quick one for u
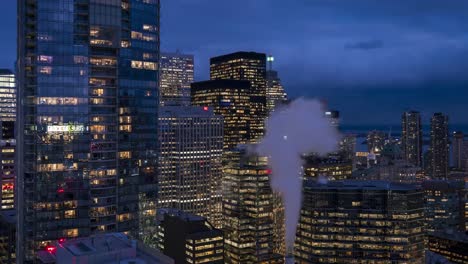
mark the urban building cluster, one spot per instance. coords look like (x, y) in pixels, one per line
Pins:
(111, 152)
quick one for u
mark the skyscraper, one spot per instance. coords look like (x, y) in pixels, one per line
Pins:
(459, 151)
(249, 66)
(87, 126)
(411, 137)
(230, 99)
(190, 165)
(275, 93)
(368, 221)
(248, 203)
(176, 75)
(7, 139)
(439, 147)
(444, 205)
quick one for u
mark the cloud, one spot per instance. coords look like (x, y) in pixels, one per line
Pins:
(317, 43)
(365, 45)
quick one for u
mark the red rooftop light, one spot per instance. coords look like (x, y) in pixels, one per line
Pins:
(60, 190)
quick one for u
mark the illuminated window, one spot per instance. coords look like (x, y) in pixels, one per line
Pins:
(98, 92)
(125, 128)
(45, 70)
(125, 44)
(103, 61)
(144, 65)
(44, 58)
(97, 101)
(125, 155)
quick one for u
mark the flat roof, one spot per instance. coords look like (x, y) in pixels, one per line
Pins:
(359, 184)
(100, 243)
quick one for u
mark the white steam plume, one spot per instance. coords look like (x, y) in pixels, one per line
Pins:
(298, 128)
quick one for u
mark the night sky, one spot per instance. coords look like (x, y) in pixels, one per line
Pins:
(369, 59)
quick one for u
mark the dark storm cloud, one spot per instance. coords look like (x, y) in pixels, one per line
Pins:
(365, 45)
(418, 41)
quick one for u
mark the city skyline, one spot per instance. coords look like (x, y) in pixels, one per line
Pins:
(237, 132)
(382, 42)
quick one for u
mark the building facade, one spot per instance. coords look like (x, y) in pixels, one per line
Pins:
(7, 95)
(444, 205)
(176, 75)
(7, 237)
(360, 222)
(7, 138)
(275, 93)
(330, 168)
(229, 99)
(88, 80)
(188, 238)
(248, 204)
(460, 151)
(375, 142)
(439, 147)
(452, 246)
(412, 138)
(190, 165)
(248, 66)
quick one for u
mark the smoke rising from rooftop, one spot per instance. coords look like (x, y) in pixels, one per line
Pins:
(298, 128)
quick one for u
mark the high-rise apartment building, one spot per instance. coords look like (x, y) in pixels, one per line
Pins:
(360, 222)
(88, 82)
(190, 165)
(275, 94)
(459, 151)
(248, 66)
(412, 138)
(230, 99)
(248, 203)
(175, 76)
(439, 147)
(189, 238)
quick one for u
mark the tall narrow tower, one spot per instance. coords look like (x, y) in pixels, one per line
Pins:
(275, 93)
(87, 121)
(439, 147)
(411, 137)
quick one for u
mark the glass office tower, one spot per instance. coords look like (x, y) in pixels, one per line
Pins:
(360, 222)
(176, 74)
(88, 85)
(247, 66)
